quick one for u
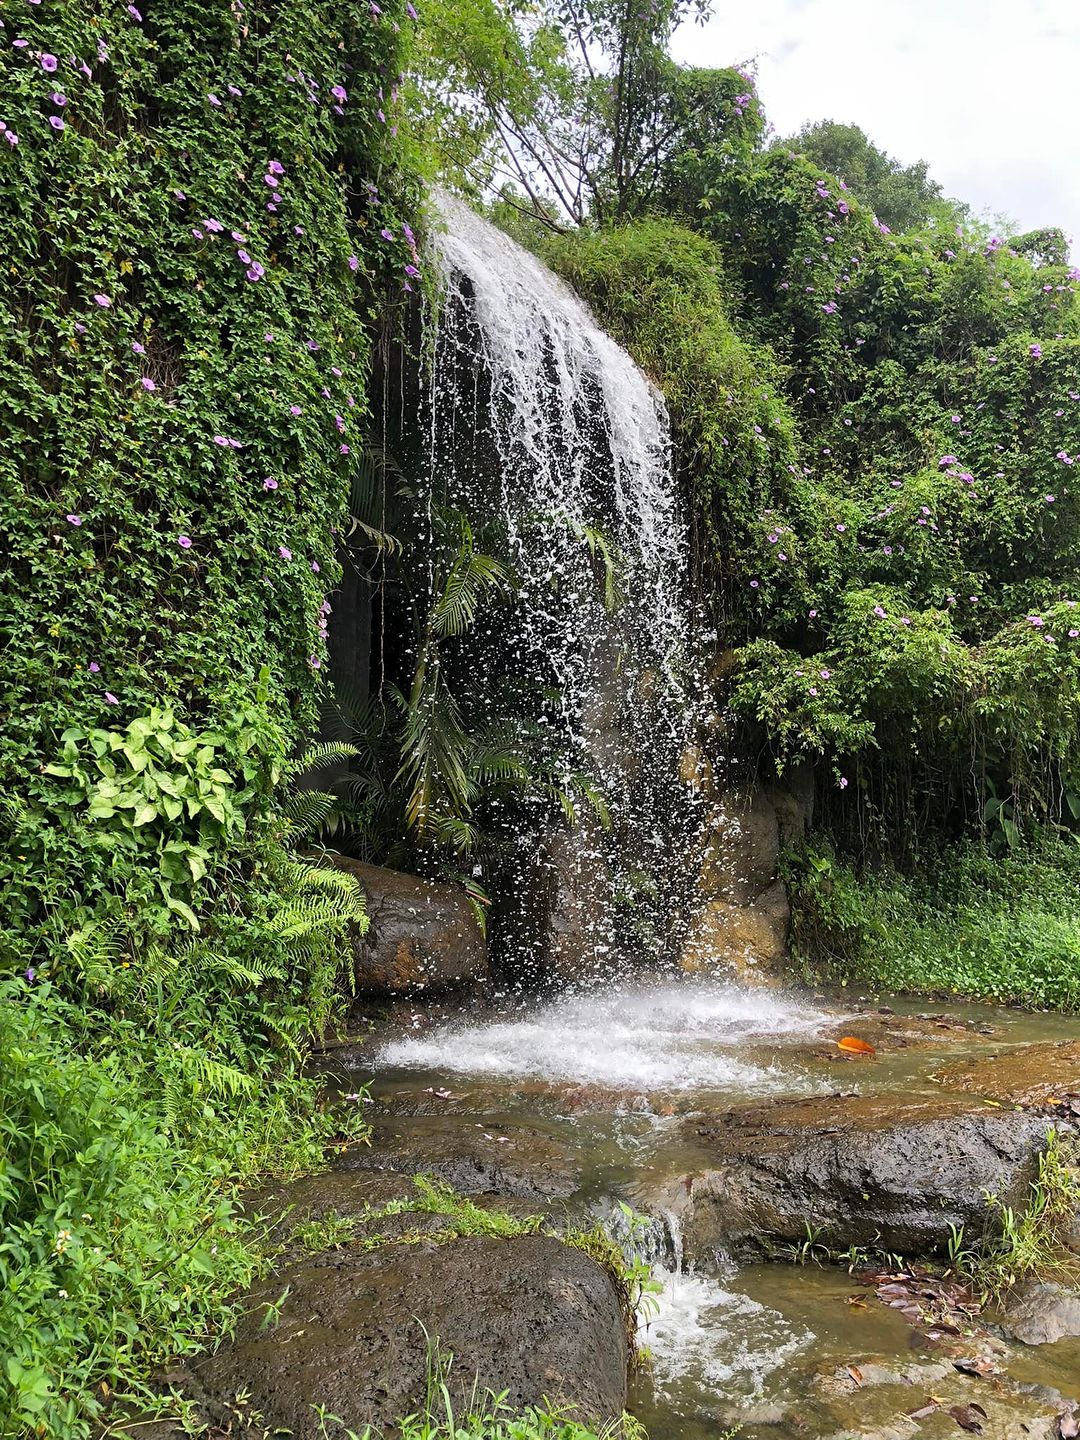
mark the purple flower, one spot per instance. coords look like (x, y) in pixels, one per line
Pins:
(276, 168)
(295, 410)
(103, 301)
(284, 552)
(315, 567)
(11, 137)
(830, 308)
(269, 337)
(410, 10)
(314, 662)
(73, 519)
(270, 483)
(213, 99)
(879, 611)
(1035, 350)
(243, 257)
(184, 541)
(31, 974)
(137, 348)
(147, 383)
(93, 667)
(826, 674)
(197, 233)
(1036, 621)
(338, 93)
(905, 620)
(134, 14)
(812, 614)
(214, 226)
(948, 460)
(1050, 499)
(343, 449)
(236, 91)
(955, 419)
(813, 690)
(56, 122)
(222, 440)
(386, 234)
(841, 528)
(354, 263)
(1073, 634)
(413, 271)
(313, 345)
(110, 698)
(58, 98)
(842, 782)
(754, 584)
(255, 271)
(49, 64)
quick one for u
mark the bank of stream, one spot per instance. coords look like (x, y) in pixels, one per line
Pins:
(572, 1105)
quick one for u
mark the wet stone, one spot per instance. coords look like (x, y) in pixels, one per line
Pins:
(526, 1315)
(883, 1172)
(1043, 1314)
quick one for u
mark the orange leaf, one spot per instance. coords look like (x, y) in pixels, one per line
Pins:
(853, 1046)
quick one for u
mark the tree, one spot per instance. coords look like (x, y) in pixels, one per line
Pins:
(903, 196)
(572, 107)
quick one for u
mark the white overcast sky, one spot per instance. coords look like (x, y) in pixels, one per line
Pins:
(987, 91)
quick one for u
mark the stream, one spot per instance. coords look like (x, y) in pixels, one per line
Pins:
(573, 1104)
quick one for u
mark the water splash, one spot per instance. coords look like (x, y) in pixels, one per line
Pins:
(673, 1036)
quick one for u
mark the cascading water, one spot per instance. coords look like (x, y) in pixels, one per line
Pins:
(540, 429)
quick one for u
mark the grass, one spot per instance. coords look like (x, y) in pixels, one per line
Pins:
(1003, 928)
(1026, 1244)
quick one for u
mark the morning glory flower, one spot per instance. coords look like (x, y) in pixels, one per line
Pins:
(137, 348)
(75, 520)
(276, 168)
(103, 301)
(255, 271)
(134, 14)
(284, 552)
(184, 541)
(338, 93)
(56, 122)
(213, 99)
(49, 64)
(1035, 350)
(58, 98)
(147, 383)
(270, 483)
(110, 698)
(354, 263)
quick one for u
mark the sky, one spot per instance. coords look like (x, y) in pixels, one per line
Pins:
(987, 91)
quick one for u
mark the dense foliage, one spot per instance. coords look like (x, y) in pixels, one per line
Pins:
(198, 222)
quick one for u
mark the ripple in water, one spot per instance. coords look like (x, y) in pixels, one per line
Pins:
(668, 1037)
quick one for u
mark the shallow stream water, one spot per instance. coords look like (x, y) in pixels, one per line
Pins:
(592, 1091)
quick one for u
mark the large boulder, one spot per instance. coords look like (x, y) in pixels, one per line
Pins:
(422, 936)
(528, 1316)
(889, 1172)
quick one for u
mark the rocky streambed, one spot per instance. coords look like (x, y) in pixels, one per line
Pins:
(760, 1150)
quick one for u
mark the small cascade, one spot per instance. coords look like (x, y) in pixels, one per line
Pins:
(542, 431)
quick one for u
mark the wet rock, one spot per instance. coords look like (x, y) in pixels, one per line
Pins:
(748, 942)
(516, 1162)
(1043, 1314)
(885, 1172)
(742, 848)
(1029, 1075)
(422, 936)
(529, 1316)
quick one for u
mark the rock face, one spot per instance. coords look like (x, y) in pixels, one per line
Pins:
(527, 1315)
(879, 1171)
(742, 923)
(423, 936)
(1043, 1314)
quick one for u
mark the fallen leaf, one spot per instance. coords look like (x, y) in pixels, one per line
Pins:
(855, 1373)
(977, 1365)
(923, 1411)
(969, 1417)
(851, 1045)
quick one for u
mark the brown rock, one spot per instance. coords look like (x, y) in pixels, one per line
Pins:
(1030, 1075)
(741, 850)
(422, 936)
(747, 942)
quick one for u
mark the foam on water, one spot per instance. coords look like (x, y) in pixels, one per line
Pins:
(662, 1037)
(706, 1340)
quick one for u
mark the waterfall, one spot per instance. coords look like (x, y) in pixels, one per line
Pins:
(543, 431)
